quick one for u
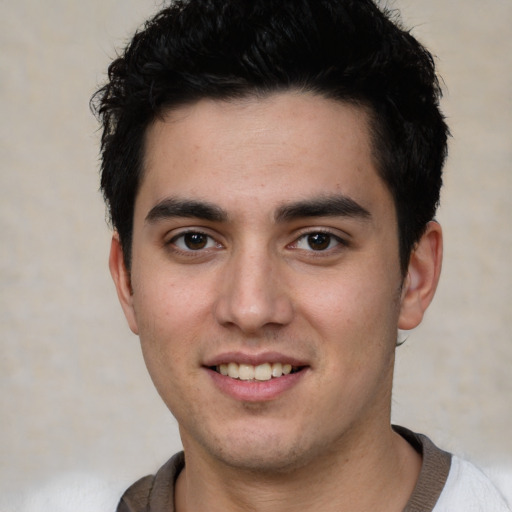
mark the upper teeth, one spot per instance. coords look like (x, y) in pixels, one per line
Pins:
(263, 371)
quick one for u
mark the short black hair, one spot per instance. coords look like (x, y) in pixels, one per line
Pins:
(347, 50)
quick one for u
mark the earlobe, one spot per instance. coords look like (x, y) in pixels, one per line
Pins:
(122, 281)
(422, 277)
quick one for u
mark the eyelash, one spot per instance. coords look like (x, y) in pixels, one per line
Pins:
(190, 252)
(340, 242)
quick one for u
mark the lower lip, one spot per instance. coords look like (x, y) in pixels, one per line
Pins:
(254, 390)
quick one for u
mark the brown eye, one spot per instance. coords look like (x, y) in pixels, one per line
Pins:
(319, 241)
(193, 241)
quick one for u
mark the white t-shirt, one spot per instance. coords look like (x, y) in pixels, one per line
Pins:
(467, 489)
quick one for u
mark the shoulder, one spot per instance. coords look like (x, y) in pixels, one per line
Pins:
(448, 483)
(154, 492)
(468, 489)
(136, 497)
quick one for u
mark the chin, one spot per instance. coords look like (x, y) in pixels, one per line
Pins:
(265, 461)
(262, 451)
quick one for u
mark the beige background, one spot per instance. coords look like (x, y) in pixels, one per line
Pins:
(75, 394)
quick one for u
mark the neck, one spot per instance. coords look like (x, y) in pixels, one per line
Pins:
(357, 479)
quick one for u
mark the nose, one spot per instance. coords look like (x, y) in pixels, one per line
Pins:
(253, 294)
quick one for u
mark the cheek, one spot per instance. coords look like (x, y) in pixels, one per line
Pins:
(170, 315)
(355, 319)
(168, 333)
(166, 300)
(349, 300)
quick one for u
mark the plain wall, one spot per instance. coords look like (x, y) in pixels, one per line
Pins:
(75, 394)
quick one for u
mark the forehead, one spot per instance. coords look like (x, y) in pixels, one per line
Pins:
(286, 145)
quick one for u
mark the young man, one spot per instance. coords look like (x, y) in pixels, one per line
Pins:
(272, 171)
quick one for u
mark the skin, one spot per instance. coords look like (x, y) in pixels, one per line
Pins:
(259, 284)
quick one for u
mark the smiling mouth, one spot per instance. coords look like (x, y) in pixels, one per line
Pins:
(261, 372)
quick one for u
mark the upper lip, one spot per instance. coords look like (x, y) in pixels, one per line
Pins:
(253, 359)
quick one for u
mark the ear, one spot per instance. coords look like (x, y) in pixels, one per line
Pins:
(122, 279)
(422, 277)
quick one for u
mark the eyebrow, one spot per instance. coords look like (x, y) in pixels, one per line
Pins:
(172, 207)
(329, 206)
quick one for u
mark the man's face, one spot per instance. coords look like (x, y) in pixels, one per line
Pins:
(264, 240)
